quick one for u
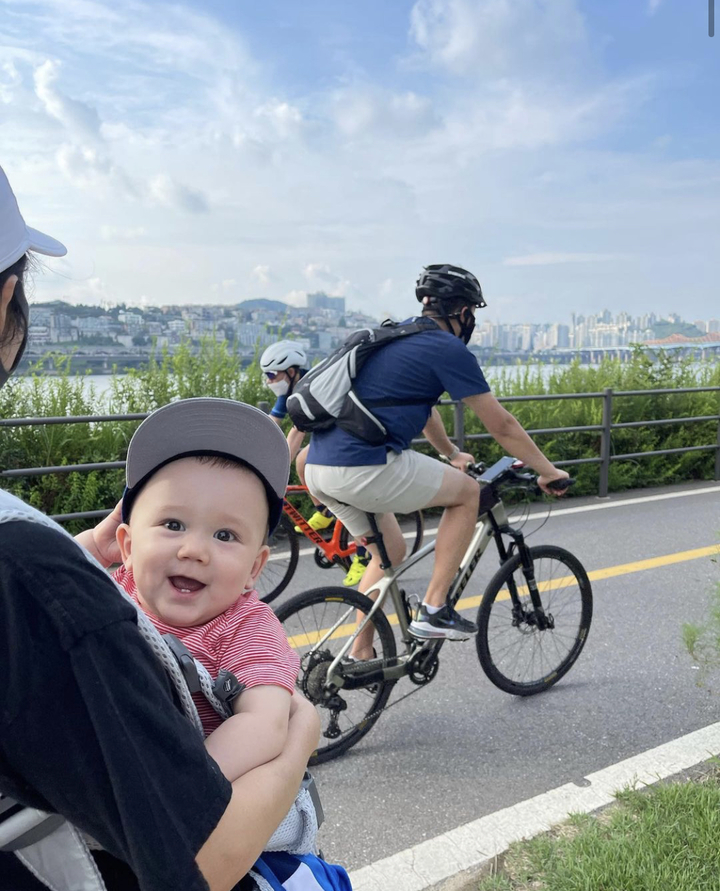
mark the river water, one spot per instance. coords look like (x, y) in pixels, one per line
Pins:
(102, 382)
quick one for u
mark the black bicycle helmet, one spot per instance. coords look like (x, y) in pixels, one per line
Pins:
(441, 281)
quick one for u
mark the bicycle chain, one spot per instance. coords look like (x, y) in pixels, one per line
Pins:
(385, 708)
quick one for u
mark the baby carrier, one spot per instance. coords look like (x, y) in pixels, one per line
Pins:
(58, 854)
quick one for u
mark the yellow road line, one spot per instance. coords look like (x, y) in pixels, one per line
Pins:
(654, 562)
(301, 640)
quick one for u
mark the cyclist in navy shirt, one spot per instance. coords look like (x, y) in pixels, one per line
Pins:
(353, 477)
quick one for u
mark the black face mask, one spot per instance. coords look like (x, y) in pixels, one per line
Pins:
(467, 325)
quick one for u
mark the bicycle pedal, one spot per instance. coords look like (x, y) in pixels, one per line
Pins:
(413, 603)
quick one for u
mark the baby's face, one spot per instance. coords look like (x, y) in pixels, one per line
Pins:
(195, 540)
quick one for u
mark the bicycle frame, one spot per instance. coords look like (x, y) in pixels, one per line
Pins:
(489, 527)
(331, 548)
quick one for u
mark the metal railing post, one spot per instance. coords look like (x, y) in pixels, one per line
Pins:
(459, 409)
(604, 483)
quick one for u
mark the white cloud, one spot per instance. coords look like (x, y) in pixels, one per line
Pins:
(90, 168)
(164, 190)
(261, 274)
(92, 290)
(653, 6)
(79, 119)
(499, 38)
(296, 298)
(9, 81)
(490, 147)
(365, 110)
(122, 233)
(320, 271)
(284, 119)
(551, 259)
(224, 289)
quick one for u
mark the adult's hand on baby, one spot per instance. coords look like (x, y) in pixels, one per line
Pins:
(101, 541)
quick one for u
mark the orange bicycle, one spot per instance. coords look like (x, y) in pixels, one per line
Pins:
(334, 546)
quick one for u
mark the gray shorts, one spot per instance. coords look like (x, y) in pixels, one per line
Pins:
(407, 482)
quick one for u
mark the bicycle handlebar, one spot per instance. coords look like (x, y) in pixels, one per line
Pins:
(506, 472)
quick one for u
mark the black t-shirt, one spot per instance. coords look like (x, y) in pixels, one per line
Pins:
(89, 725)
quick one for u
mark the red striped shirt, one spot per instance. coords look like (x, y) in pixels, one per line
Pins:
(247, 639)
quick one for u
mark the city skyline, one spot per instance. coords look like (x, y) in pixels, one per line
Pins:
(320, 300)
(565, 151)
(325, 322)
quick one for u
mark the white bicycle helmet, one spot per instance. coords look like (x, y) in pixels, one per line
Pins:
(283, 355)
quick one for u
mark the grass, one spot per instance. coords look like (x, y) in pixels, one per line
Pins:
(663, 838)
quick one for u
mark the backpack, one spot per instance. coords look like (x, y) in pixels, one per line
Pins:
(325, 396)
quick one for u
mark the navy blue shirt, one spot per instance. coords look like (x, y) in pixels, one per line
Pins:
(421, 368)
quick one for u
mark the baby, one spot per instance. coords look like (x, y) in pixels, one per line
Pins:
(205, 485)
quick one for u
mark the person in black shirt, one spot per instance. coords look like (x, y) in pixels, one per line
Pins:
(90, 727)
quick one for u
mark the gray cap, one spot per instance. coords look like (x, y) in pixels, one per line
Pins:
(209, 426)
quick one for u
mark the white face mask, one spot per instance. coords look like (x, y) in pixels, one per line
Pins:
(279, 388)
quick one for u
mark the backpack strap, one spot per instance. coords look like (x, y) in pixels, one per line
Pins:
(49, 847)
(21, 826)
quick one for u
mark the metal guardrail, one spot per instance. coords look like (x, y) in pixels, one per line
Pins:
(605, 458)
(459, 436)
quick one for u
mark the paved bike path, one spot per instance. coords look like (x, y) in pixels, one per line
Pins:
(453, 860)
(460, 749)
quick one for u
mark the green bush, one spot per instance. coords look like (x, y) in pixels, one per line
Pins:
(639, 373)
(215, 369)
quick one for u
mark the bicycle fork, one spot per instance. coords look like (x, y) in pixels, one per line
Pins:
(537, 617)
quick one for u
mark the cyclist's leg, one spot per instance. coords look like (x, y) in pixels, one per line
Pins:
(458, 494)
(395, 546)
(322, 518)
(335, 487)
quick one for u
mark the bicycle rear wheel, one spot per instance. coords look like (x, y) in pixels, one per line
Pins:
(308, 619)
(514, 653)
(282, 563)
(413, 525)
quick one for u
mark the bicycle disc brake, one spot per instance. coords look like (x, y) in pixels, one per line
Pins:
(527, 621)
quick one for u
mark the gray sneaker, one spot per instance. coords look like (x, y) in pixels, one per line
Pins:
(445, 623)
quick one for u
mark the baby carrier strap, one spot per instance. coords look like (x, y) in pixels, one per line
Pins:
(49, 847)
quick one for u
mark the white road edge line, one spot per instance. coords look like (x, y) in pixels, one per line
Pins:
(467, 848)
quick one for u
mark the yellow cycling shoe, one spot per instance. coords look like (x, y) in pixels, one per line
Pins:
(318, 521)
(356, 571)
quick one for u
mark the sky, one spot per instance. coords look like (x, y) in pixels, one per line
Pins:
(565, 151)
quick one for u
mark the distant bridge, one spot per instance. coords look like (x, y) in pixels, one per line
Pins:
(594, 355)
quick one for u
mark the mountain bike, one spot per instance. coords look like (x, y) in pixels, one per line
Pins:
(533, 621)
(333, 546)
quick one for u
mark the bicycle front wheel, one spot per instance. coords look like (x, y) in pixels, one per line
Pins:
(282, 563)
(317, 624)
(514, 653)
